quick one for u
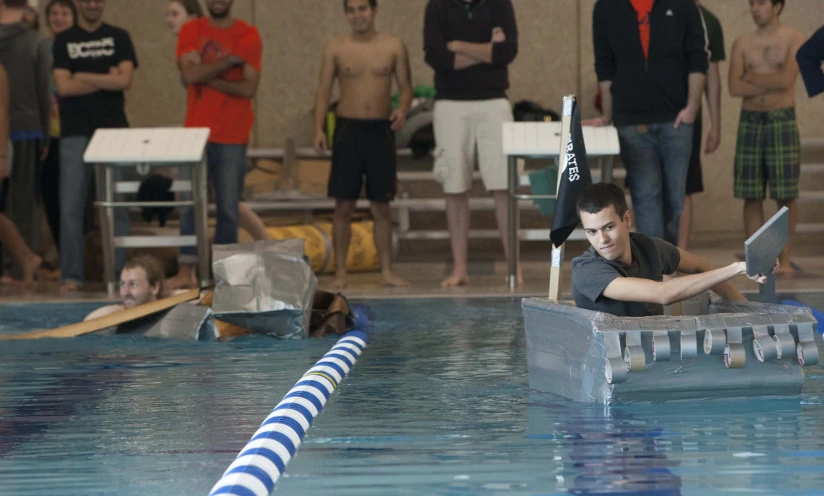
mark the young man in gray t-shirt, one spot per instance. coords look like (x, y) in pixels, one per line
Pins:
(622, 272)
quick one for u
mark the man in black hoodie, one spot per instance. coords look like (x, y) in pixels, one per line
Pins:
(26, 58)
(470, 44)
(651, 58)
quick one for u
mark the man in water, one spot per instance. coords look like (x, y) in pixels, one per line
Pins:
(364, 63)
(763, 71)
(622, 273)
(141, 281)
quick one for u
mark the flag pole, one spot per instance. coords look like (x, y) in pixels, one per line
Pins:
(558, 253)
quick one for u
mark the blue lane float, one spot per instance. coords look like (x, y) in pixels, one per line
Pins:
(263, 460)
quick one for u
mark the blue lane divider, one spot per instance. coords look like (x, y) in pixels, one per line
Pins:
(264, 458)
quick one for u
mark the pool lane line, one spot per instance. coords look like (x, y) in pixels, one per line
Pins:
(264, 458)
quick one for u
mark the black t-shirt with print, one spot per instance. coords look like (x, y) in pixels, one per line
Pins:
(77, 50)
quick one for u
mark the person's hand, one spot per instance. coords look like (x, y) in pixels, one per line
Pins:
(453, 45)
(713, 140)
(114, 71)
(762, 278)
(4, 167)
(498, 35)
(685, 116)
(596, 122)
(320, 142)
(191, 57)
(398, 119)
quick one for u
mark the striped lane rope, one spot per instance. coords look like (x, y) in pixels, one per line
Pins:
(264, 458)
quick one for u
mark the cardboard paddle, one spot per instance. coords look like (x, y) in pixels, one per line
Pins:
(117, 318)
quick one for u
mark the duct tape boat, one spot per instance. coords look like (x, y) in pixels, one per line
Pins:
(716, 349)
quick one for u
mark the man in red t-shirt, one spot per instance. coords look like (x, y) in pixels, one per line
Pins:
(220, 61)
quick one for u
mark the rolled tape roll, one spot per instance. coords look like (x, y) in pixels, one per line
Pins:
(786, 345)
(807, 354)
(661, 350)
(689, 345)
(765, 349)
(715, 341)
(634, 358)
(616, 371)
(734, 356)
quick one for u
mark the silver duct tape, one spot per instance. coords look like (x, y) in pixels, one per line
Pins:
(763, 247)
(577, 354)
(715, 340)
(807, 354)
(557, 256)
(661, 349)
(784, 340)
(184, 322)
(764, 347)
(265, 286)
(689, 345)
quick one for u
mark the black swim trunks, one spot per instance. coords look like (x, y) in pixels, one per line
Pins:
(695, 180)
(363, 148)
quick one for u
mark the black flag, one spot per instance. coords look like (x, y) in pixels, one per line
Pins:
(575, 179)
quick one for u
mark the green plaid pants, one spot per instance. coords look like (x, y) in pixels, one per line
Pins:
(768, 152)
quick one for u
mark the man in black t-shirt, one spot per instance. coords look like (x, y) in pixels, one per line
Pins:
(93, 65)
(622, 272)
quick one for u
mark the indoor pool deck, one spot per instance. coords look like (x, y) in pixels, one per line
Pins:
(488, 275)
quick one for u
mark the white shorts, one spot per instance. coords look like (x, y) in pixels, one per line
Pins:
(466, 131)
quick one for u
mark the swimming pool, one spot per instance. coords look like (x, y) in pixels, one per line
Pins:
(437, 404)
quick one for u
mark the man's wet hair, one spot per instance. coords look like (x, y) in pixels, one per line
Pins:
(599, 196)
(372, 3)
(779, 2)
(152, 267)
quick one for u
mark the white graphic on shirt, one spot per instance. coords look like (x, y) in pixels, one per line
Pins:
(91, 49)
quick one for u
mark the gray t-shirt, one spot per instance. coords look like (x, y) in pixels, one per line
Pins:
(591, 274)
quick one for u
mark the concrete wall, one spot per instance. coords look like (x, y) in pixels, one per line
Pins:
(555, 58)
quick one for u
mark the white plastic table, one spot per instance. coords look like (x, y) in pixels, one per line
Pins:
(143, 149)
(523, 140)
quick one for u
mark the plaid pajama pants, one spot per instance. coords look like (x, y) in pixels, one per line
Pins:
(768, 152)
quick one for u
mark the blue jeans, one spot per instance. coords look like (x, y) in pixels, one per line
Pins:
(657, 157)
(75, 181)
(226, 169)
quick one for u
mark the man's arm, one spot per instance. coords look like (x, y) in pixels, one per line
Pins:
(5, 126)
(739, 87)
(481, 52)
(672, 291)
(68, 86)
(436, 53)
(713, 91)
(199, 73)
(118, 79)
(691, 264)
(809, 58)
(403, 78)
(247, 88)
(326, 79)
(783, 79)
(697, 82)
(104, 311)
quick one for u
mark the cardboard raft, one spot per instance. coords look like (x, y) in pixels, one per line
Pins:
(718, 349)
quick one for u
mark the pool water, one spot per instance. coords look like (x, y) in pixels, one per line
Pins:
(437, 404)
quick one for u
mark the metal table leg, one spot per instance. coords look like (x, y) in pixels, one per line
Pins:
(105, 193)
(200, 196)
(514, 249)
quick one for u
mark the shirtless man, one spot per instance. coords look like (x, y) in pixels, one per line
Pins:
(364, 63)
(763, 71)
(141, 281)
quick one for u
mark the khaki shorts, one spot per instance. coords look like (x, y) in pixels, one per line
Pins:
(466, 132)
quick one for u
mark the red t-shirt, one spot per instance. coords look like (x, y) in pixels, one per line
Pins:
(643, 8)
(229, 118)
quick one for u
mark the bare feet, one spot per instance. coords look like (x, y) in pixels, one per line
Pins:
(455, 280)
(390, 280)
(69, 287)
(30, 267)
(785, 271)
(340, 281)
(185, 279)
(7, 280)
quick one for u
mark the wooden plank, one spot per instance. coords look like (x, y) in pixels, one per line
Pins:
(98, 324)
